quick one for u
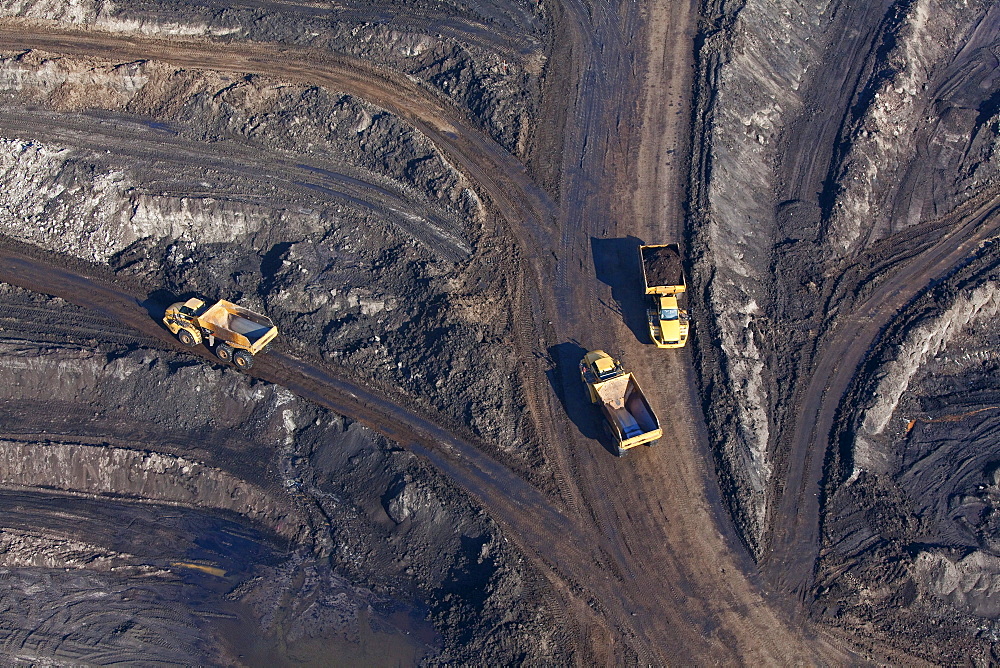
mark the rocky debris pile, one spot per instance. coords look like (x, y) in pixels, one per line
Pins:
(926, 89)
(406, 499)
(34, 549)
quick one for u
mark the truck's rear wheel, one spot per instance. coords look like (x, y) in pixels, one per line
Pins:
(225, 352)
(612, 439)
(187, 338)
(243, 359)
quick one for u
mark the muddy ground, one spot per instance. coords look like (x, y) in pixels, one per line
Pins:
(828, 167)
(875, 126)
(233, 503)
(358, 245)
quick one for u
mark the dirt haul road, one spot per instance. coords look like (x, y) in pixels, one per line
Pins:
(655, 505)
(637, 551)
(633, 542)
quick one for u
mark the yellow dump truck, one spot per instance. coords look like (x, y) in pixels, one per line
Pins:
(663, 279)
(237, 333)
(630, 420)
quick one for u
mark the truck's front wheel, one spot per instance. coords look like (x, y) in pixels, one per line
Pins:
(224, 351)
(243, 359)
(187, 338)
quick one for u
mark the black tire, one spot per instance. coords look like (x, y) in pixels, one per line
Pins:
(224, 351)
(186, 338)
(242, 359)
(653, 443)
(612, 439)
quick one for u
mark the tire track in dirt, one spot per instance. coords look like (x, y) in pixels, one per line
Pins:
(793, 544)
(36, 323)
(439, 231)
(570, 552)
(526, 208)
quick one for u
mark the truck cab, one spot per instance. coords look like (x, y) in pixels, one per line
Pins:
(668, 324)
(598, 367)
(184, 313)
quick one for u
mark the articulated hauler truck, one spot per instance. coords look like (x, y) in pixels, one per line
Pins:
(237, 333)
(663, 279)
(630, 420)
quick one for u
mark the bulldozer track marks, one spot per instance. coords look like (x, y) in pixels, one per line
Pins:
(793, 543)
(44, 324)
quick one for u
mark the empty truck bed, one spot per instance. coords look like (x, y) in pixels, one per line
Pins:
(627, 407)
(226, 316)
(248, 328)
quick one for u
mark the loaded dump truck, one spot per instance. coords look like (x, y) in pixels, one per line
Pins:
(663, 279)
(629, 418)
(237, 333)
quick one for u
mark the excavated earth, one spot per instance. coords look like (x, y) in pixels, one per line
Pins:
(441, 202)
(870, 140)
(179, 512)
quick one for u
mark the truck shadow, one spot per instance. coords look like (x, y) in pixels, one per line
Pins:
(564, 377)
(616, 264)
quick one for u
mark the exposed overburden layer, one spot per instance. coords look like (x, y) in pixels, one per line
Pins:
(152, 476)
(906, 110)
(353, 149)
(924, 344)
(455, 49)
(910, 520)
(850, 125)
(755, 66)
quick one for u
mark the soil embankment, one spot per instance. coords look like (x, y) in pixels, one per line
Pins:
(866, 139)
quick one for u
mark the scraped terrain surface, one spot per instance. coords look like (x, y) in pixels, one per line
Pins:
(848, 370)
(440, 205)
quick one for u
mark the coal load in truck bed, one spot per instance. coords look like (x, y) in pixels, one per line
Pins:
(662, 265)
